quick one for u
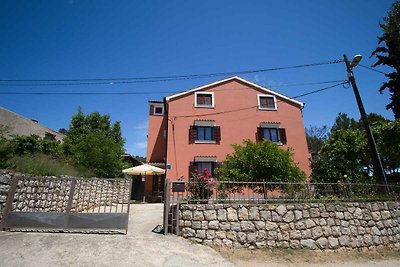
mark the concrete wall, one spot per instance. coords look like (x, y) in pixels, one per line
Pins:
(307, 226)
(156, 138)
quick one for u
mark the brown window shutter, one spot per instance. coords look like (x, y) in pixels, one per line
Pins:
(217, 133)
(192, 168)
(215, 166)
(282, 136)
(151, 110)
(192, 134)
(260, 134)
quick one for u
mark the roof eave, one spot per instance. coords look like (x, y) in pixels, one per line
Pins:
(169, 98)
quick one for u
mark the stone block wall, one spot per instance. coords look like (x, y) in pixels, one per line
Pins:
(308, 226)
(51, 195)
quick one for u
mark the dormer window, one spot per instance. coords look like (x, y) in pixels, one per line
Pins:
(204, 99)
(158, 110)
(266, 102)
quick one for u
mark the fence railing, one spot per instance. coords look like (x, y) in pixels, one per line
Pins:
(263, 192)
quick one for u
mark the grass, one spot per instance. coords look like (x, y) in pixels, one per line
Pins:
(44, 165)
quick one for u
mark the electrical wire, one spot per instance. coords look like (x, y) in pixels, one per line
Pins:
(129, 82)
(156, 92)
(168, 78)
(251, 107)
(368, 68)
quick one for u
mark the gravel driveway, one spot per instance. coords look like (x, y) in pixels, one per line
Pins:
(140, 247)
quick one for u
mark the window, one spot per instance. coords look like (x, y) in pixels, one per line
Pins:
(204, 100)
(50, 136)
(272, 132)
(204, 132)
(266, 102)
(158, 110)
(200, 163)
(201, 166)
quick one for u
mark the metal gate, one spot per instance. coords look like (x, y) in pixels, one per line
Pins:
(68, 205)
(173, 194)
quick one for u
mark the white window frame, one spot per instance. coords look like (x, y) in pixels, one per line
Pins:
(156, 113)
(204, 93)
(259, 104)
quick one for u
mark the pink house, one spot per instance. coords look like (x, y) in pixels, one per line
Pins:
(195, 129)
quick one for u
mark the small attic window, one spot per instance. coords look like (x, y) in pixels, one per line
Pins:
(266, 102)
(50, 136)
(158, 110)
(204, 99)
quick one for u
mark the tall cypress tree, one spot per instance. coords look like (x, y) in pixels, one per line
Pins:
(388, 53)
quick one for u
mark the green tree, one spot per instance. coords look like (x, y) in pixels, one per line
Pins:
(342, 158)
(259, 162)
(388, 54)
(5, 152)
(94, 143)
(25, 144)
(316, 137)
(388, 143)
(343, 122)
(346, 156)
(63, 131)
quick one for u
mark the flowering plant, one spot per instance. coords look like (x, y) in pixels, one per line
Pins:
(201, 185)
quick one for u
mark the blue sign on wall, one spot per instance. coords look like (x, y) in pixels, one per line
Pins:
(168, 166)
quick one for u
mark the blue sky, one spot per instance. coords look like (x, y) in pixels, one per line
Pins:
(72, 39)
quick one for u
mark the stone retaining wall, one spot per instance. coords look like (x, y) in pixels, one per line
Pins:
(308, 226)
(51, 195)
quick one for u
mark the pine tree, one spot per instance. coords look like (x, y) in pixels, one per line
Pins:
(388, 54)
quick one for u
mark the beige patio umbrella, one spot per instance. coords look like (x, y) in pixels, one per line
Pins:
(143, 170)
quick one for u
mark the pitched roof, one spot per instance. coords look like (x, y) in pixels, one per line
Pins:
(18, 125)
(169, 98)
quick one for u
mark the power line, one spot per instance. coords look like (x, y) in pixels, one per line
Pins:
(171, 77)
(366, 67)
(251, 107)
(129, 82)
(302, 84)
(152, 92)
(84, 93)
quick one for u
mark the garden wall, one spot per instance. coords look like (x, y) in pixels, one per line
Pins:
(307, 226)
(50, 194)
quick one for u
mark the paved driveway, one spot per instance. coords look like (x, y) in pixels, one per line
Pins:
(140, 247)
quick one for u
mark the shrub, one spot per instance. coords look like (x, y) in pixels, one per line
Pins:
(40, 164)
(201, 185)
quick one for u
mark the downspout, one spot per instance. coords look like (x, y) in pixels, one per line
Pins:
(301, 109)
(166, 114)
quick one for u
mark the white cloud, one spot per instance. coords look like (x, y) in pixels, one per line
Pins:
(260, 78)
(140, 145)
(143, 125)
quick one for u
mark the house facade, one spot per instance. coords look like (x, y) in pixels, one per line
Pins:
(195, 129)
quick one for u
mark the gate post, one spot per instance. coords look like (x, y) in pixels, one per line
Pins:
(10, 198)
(166, 204)
(70, 200)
